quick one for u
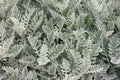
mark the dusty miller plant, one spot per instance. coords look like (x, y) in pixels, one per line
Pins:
(59, 39)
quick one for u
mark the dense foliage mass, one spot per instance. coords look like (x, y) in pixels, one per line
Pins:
(59, 39)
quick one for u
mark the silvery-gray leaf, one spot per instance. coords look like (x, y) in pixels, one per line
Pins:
(43, 60)
(44, 50)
